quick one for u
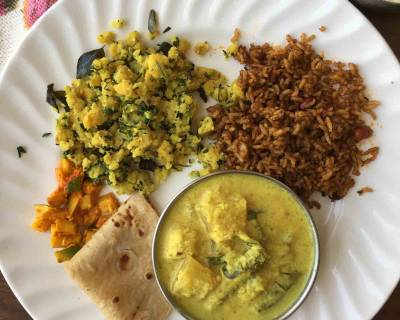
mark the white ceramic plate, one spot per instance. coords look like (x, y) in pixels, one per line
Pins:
(360, 256)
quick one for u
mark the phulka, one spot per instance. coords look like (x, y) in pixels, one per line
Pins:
(114, 268)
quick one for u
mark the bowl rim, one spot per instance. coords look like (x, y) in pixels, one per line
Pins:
(313, 273)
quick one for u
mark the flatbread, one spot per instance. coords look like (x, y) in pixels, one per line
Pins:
(114, 268)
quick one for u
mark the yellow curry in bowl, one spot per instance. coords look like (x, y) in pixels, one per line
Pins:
(235, 245)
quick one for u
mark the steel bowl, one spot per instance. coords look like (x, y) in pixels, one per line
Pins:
(313, 274)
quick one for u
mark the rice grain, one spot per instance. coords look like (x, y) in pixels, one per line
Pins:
(301, 120)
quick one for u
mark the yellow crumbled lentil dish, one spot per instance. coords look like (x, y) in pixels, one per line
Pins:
(202, 48)
(128, 120)
(117, 23)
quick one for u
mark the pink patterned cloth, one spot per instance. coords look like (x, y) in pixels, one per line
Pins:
(6, 6)
(33, 9)
(16, 16)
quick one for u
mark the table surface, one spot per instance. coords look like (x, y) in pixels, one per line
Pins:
(388, 24)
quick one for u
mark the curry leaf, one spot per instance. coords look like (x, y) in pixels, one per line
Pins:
(164, 47)
(214, 261)
(163, 75)
(202, 94)
(56, 99)
(85, 61)
(175, 43)
(179, 115)
(108, 111)
(67, 253)
(46, 134)
(230, 276)
(147, 164)
(179, 167)
(152, 22)
(106, 125)
(75, 185)
(252, 214)
(20, 150)
(167, 29)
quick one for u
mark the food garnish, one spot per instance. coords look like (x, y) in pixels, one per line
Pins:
(147, 164)
(66, 254)
(166, 29)
(75, 184)
(202, 94)
(152, 24)
(56, 98)
(46, 134)
(21, 150)
(84, 66)
(164, 47)
(252, 214)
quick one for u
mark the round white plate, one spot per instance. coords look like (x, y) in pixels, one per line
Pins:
(360, 256)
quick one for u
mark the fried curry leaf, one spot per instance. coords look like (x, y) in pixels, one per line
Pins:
(56, 99)
(67, 253)
(179, 115)
(163, 75)
(106, 125)
(108, 111)
(74, 185)
(252, 214)
(147, 164)
(214, 261)
(164, 47)
(85, 61)
(202, 94)
(175, 43)
(20, 150)
(228, 275)
(179, 167)
(152, 22)
(46, 134)
(167, 29)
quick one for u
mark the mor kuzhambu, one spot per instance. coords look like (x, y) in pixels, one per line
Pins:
(235, 246)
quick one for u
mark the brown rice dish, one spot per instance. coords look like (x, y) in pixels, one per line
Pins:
(301, 119)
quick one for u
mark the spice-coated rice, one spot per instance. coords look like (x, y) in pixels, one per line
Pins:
(301, 121)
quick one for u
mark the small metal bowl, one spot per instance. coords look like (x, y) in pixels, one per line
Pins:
(313, 274)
